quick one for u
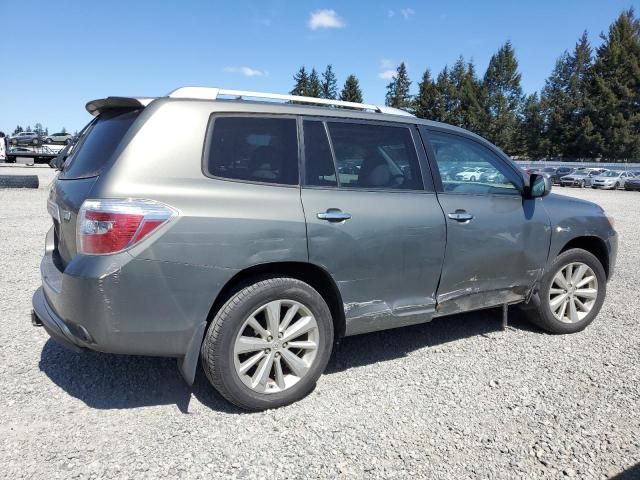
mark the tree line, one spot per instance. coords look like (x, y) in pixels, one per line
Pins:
(588, 108)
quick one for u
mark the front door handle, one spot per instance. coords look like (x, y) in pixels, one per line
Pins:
(334, 215)
(460, 216)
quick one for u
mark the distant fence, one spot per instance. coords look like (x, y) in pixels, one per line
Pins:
(575, 164)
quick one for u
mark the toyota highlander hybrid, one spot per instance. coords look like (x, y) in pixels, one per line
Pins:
(248, 231)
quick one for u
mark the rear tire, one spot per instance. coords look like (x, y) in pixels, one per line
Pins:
(286, 379)
(540, 311)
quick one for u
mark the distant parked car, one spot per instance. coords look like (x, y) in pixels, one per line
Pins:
(581, 177)
(60, 137)
(13, 151)
(471, 174)
(632, 184)
(549, 170)
(610, 180)
(561, 172)
(493, 176)
(26, 138)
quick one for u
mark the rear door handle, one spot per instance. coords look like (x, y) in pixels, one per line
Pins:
(334, 215)
(460, 216)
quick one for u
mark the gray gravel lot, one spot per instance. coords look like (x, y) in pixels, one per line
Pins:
(456, 398)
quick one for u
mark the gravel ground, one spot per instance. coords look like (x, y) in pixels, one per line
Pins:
(456, 398)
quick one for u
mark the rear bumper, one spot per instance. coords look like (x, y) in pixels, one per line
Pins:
(123, 304)
(54, 325)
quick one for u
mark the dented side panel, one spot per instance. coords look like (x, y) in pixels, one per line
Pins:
(495, 258)
(386, 260)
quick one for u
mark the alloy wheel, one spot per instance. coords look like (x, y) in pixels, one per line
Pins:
(276, 346)
(573, 292)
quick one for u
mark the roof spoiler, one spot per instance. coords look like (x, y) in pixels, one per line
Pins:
(95, 107)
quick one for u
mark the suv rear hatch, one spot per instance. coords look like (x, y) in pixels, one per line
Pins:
(86, 162)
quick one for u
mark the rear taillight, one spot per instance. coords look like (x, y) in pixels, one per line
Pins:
(111, 226)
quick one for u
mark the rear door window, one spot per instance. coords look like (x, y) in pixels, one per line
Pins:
(372, 156)
(256, 149)
(98, 144)
(319, 168)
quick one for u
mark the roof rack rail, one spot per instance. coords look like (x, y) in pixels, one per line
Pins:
(212, 93)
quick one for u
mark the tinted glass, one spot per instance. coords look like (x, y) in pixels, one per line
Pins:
(467, 167)
(375, 156)
(319, 168)
(254, 149)
(99, 143)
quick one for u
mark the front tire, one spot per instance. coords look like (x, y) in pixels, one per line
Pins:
(268, 344)
(571, 293)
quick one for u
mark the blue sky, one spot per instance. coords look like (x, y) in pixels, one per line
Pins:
(59, 55)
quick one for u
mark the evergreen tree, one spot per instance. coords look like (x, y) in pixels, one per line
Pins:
(398, 90)
(351, 91)
(301, 85)
(64, 130)
(426, 102)
(28, 129)
(465, 106)
(532, 129)
(17, 130)
(503, 92)
(38, 129)
(565, 100)
(444, 99)
(329, 84)
(555, 105)
(615, 90)
(315, 88)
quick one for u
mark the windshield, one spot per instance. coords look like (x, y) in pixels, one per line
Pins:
(610, 173)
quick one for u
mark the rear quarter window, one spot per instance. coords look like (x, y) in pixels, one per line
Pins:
(98, 143)
(254, 149)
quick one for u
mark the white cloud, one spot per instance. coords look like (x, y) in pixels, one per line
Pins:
(391, 13)
(325, 18)
(266, 22)
(387, 64)
(387, 74)
(407, 12)
(247, 71)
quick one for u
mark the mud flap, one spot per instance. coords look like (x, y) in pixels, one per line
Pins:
(189, 363)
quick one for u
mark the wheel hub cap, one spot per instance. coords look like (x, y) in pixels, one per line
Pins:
(276, 346)
(573, 292)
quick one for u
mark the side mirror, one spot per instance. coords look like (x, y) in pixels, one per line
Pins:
(539, 185)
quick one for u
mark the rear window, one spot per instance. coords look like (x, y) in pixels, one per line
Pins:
(258, 149)
(98, 143)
